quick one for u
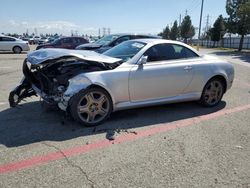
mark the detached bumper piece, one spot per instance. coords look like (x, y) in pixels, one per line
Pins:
(21, 92)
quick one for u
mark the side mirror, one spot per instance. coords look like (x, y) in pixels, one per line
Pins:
(143, 60)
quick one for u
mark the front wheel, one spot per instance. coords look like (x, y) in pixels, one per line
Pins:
(212, 93)
(91, 107)
(17, 50)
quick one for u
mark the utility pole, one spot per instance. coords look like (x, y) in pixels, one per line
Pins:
(207, 23)
(104, 31)
(99, 33)
(35, 30)
(206, 28)
(180, 20)
(200, 19)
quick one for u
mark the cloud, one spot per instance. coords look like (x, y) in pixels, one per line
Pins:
(61, 27)
(64, 27)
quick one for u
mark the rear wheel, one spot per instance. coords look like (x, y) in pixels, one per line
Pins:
(91, 107)
(17, 50)
(212, 92)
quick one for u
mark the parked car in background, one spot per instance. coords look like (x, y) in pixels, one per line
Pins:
(51, 39)
(110, 41)
(25, 39)
(64, 42)
(34, 40)
(13, 44)
(42, 40)
(133, 74)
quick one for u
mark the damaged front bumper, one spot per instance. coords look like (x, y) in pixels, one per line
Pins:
(28, 87)
(56, 75)
(25, 90)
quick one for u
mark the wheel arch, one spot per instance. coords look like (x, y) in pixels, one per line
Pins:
(95, 85)
(17, 46)
(220, 77)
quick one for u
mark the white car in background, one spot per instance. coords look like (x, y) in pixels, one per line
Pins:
(13, 44)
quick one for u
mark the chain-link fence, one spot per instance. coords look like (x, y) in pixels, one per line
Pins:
(227, 42)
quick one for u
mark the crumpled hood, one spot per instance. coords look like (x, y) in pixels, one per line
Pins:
(42, 55)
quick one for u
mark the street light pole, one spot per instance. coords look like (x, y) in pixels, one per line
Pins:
(200, 19)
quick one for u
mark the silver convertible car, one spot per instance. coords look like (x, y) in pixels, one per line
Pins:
(136, 73)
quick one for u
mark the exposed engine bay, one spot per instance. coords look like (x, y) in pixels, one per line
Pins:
(47, 72)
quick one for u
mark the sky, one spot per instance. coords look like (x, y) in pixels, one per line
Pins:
(87, 16)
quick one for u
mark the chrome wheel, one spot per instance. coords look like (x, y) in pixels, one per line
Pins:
(213, 92)
(93, 107)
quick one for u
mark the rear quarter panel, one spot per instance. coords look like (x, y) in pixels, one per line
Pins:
(208, 67)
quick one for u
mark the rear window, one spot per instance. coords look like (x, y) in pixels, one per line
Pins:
(66, 40)
(80, 40)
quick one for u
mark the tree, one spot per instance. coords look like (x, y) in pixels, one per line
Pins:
(187, 30)
(160, 34)
(218, 30)
(174, 32)
(239, 18)
(165, 33)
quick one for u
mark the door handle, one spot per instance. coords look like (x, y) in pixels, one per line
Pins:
(187, 68)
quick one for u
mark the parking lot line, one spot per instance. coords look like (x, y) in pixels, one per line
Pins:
(100, 144)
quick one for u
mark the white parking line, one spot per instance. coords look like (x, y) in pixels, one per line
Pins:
(5, 67)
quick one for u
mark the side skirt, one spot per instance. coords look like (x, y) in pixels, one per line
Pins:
(180, 98)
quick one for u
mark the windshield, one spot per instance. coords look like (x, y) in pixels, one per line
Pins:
(107, 39)
(125, 50)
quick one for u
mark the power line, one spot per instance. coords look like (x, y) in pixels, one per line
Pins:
(194, 6)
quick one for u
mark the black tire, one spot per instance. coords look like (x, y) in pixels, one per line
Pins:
(17, 50)
(81, 98)
(211, 97)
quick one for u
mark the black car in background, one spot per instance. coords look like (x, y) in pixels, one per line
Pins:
(64, 42)
(110, 41)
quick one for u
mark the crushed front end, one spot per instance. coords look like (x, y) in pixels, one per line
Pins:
(47, 73)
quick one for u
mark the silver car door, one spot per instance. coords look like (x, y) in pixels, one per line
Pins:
(2, 46)
(7, 43)
(159, 79)
(167, 73)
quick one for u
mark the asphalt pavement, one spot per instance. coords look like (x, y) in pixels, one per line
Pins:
(174, 145)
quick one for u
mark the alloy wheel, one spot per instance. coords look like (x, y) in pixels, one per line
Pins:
(93, 107)
(213, 92)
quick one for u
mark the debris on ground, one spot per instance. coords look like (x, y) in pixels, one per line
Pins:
(113, 133)
(239, 147)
